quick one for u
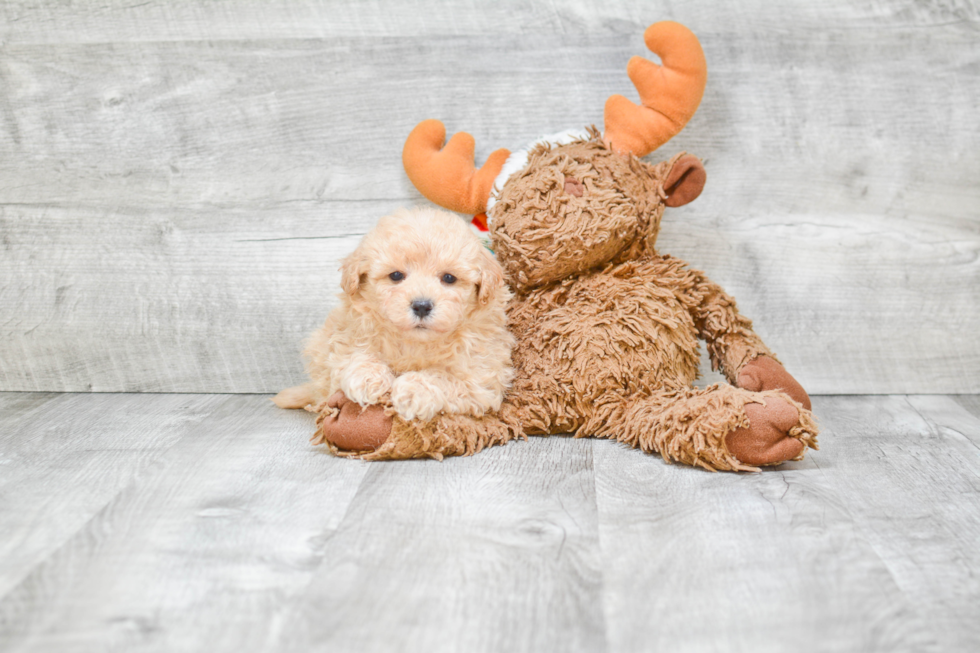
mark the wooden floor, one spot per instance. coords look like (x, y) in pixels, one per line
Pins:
(206, 522)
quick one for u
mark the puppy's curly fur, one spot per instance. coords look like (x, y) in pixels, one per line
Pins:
(422, 319)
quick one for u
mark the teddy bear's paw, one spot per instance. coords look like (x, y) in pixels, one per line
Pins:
(767, 439)
(415, 396)
(764, 373)
(347, 426)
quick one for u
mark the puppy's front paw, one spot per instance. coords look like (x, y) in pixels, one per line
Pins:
(367, 384)
(413, 395)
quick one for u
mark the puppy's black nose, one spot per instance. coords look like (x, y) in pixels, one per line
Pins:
(421, 307)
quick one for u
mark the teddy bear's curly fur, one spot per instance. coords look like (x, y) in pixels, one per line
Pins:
(607, 328)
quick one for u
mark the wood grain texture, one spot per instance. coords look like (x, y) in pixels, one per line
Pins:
(930, 549)
(192, 522)
(178, 181)
(838, 552)
(93, 446)
(498, 552)
(36, 21)
(192, 300)
(204, 533)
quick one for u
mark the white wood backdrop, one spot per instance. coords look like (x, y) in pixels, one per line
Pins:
(178, 180)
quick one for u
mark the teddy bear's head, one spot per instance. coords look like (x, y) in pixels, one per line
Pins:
(580, 205)
(573, 203)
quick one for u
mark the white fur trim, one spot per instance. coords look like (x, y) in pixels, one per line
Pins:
(517, 161)
(483, 236)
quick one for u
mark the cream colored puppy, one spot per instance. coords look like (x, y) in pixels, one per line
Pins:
(421, 317)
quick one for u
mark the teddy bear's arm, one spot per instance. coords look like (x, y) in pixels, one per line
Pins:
(733, 346)
(729, 336)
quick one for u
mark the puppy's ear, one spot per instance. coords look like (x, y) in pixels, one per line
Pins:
(491, 277)
(352, 271)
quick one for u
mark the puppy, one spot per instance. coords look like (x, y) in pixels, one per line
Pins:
(422, 317)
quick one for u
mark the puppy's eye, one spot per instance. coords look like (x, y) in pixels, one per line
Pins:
(396, 276)
(448, 278)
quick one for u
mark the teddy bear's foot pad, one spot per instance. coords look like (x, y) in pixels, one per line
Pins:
(767, 439)
(349, 427)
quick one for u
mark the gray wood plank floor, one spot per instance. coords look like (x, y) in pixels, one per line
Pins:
(206, 522)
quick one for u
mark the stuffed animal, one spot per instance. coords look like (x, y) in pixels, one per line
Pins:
(607, 327)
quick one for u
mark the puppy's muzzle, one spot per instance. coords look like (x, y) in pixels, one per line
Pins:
(422, 308)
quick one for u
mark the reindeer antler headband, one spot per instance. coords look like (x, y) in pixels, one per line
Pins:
(669, 96)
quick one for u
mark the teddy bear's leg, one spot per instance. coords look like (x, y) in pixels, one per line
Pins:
(378, 433)
(719, 427)
(343, 425)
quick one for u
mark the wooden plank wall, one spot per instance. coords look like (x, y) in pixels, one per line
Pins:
(178, 180)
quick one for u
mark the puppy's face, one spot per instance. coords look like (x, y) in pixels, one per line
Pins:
(421, 273)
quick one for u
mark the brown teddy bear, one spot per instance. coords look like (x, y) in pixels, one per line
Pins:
(607, 328)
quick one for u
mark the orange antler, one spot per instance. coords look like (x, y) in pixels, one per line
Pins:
(670, 94)
(447, 175)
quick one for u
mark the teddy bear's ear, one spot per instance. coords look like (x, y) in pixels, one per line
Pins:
(685, 181)
(491, 277)
(352, 269)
